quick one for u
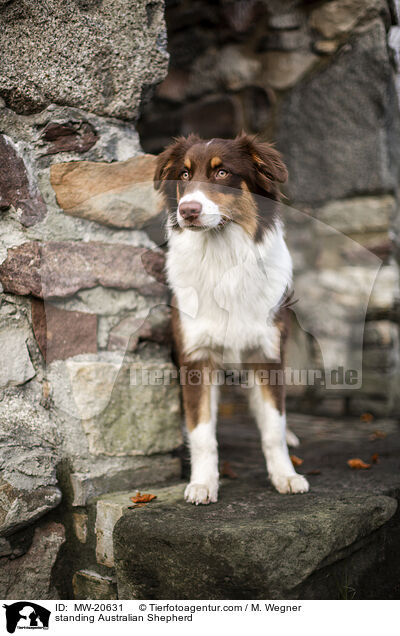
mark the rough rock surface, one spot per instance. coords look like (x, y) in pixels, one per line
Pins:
(17, 185)
(228, 68)
(125, 336)
(15, 363)
(29, 445)
(283, 69)
(98, 138)
(359, 214)
(331, 156)
(255, 549)
(122, 411)
(29, 576)
(95, 55)
(60, 268)
(63, 334)
(68, 137)
(87, 584)
(255, 543)
(338, 17)
(125, 318)
(109, 509)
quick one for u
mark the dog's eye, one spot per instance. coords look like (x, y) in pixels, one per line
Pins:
(185, 175)
(221, 174)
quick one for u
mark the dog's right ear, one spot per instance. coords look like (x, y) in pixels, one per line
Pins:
(168, 163)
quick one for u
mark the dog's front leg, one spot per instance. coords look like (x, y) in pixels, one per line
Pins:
(267, 406)
(201, 405)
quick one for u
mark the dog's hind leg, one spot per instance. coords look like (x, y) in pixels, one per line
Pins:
(271, 421)
(201, 405)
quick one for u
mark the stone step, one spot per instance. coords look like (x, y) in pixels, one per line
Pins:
(337, 541)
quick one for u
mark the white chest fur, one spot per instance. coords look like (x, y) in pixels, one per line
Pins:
(227, 289)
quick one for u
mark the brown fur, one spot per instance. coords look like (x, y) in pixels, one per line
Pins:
(215, 162)
(196, 397)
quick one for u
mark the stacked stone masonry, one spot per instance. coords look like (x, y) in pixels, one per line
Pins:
(84, 299)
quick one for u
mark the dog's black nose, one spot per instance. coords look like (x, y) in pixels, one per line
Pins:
(190, 210)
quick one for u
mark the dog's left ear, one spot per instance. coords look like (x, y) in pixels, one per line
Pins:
(267, 162)
(164, 162)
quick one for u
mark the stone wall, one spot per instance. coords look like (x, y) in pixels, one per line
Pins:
(319, 78)
(84, 299)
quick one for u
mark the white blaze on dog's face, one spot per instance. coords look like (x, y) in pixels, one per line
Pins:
(208, 185)
(196, 211)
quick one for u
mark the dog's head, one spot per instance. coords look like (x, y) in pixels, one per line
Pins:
(208, 184)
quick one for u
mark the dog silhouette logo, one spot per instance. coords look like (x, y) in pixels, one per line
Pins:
(26, 615)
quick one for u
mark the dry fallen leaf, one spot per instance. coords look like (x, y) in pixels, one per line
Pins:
(314, 472)
(375, 458)
(138, 505)
(377, 435)
(227, 471)
(145, 498)
(296, 461)
(358, 464)
(366, 417)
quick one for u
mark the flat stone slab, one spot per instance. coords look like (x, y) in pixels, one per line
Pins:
(118, 194)
(255, 543)
(56, 269)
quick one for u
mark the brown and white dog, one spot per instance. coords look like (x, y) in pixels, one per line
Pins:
(230, 271)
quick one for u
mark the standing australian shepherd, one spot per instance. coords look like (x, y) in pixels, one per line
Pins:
(230, 272)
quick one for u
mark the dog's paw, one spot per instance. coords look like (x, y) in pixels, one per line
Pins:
(290, 484)
(291, 438)
(201, 493)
